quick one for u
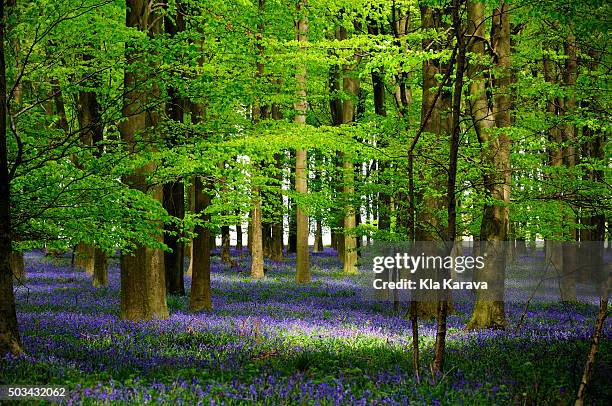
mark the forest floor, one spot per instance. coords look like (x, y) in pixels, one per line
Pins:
(276, 342)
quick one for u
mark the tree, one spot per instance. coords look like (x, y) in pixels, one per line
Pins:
(9, 332)
(301, 160)
(440, 344)
(489, 307)
(351, 88)
(92, 258)
(143, 285)
(201, 296)
(174, 191)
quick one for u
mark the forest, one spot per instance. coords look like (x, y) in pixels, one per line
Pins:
(198, 196)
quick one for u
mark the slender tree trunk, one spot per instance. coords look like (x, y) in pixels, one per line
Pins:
(276, 253)
(238, 233)
(174, 261)
(9, 332)
(440, 344)
(250, 232)
(17, 261)
(378, 89)
(553, 251)
(174, 191)
(292, 231)
(257, 261)
(266, 232)
(91, 259)
(292, 210)
(225, 245)
(335, 107)
(257, 226)
(301, 159)
(191, 205)
(318, 244)
(599, 325)
(143, 285)
(570, 153)
(351, 88)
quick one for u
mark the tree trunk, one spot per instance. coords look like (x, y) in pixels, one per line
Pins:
(88, 257)
(100, 275)
(378, 89)
(335, 107)
(301, 160)
(266, 233)
(257, 261)
(568, 280)
(239, 235)
(84, 257)
(174, 192)
(553, 249)
(599, 325)
(440, 343)
(9, 332)
(201, 294)
(174, 261)
(188, 248)
(276, 248)
(225, 245)
(18, 266)
(424, 224)
(489, 307)
(351, 88)
(250, 231)
(318, 243)
(143, 285)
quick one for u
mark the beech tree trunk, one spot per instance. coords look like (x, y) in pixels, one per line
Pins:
(100, 275)
(201, 294)
(435, 118)
(489, 307)
(335, 108)
(239, 235)
(292, 210)
(350, 85)
(318, 243)
(424, 222)
(174, 191)
(568, 279)
(91, 259)
(552, 246)
(191, 205)
(257, 261)
(378, 90)
(276, 244)
(143, 285)
(9, 332)
(18, 266)
(440, 343)
(350, 239)
(225, 245)
(301, 159)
